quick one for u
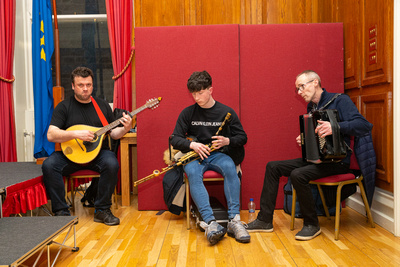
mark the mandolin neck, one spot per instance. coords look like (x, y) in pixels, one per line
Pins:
(115, 123)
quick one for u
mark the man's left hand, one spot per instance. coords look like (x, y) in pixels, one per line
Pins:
(126, 121)
(220, 141)
(324, 128)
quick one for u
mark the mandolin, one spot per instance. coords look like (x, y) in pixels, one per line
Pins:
(82, 152)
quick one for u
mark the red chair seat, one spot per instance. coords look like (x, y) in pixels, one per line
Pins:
(212, 174)
(335, 178)
(84, 172)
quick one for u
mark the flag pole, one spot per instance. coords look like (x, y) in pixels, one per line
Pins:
(56, 45)
(58, 90)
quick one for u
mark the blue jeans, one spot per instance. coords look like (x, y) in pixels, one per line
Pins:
(57, 165)
(224, 165)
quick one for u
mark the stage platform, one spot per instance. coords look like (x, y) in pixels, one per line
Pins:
(21, 184)
(12, 173)
(22, 237)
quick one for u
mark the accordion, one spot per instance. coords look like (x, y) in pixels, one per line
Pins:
(316, 149)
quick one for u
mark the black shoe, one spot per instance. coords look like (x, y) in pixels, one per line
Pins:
(63, 212)
(260, 226)
(106, 217)
(308, 232)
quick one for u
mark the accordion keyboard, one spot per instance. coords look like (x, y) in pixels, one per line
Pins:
(322, 140)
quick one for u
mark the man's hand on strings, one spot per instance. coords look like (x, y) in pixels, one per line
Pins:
(126, 121)
(201, 149)
(84, 135)
(220, 141)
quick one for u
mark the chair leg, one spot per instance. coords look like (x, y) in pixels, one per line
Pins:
(368, 210)
(72, 194)
(187, 203)
(321, 193)
(115, 198)
(337, 214)
(292, 216)
(66, 188)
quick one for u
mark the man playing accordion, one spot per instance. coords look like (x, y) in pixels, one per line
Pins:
(300, 171)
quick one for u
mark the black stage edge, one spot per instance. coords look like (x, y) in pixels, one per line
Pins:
(21, 237)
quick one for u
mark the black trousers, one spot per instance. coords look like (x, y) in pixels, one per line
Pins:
(57, 165)
(301, 173)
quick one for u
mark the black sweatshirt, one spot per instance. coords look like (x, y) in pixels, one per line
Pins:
(202, 124)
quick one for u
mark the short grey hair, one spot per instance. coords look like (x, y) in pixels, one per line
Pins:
(311, 75)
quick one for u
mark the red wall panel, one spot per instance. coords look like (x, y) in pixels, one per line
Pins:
(271, 56)
(165, 59)
(253, 68)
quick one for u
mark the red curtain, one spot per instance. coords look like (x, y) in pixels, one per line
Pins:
(119, 20)
(8, 151)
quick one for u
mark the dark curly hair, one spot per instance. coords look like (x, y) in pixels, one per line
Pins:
(198, 81)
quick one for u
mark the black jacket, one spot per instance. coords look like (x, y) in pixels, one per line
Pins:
(174, 190)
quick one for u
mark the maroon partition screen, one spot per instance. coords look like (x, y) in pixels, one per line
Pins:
(253, 68)
(165, 59)
(271, 56)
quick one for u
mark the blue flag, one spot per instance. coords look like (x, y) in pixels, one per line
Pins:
(42, 51)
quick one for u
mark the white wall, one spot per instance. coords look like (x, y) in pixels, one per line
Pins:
(23, 86)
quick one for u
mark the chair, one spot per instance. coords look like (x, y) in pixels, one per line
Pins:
(208, 176)
(82, 174)
(85, 174)
(339, 180)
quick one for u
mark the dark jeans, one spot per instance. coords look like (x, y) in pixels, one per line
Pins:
(57, 165)
(301, 173)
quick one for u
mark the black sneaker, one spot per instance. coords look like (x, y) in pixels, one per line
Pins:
(260, 226)
(63, 212)
(308, 232)
(106, 217)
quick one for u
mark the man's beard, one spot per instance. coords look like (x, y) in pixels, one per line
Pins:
(83, 98)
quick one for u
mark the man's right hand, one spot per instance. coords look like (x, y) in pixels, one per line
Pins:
(201, 149)
(84, 135)
(298, 140)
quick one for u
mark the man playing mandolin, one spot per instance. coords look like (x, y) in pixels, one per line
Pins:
(73, 122)
(202, 121)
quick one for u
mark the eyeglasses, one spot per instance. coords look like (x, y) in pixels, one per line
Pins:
(301, 86)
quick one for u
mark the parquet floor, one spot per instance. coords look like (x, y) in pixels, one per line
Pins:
(146, 239)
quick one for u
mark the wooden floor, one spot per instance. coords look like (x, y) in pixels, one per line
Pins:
(146, 239)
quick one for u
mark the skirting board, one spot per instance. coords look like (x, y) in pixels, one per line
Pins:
(382, 207)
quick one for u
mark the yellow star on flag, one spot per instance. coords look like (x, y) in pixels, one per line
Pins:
(42, 54)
